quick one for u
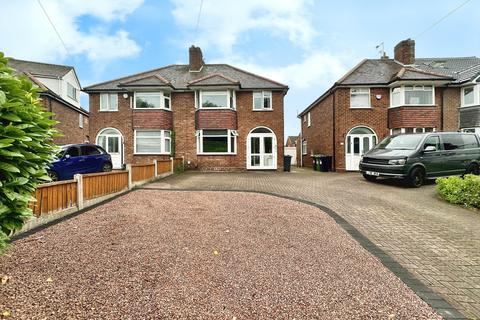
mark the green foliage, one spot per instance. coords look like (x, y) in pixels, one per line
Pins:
(464, 191)
(172, 145)
(26, 147)
(179, 168)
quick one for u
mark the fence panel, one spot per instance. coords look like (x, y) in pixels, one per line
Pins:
(164, 166)
(142, 172)
(55, 196)
(99, 184)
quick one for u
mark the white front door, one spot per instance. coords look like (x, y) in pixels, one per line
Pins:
(111, 141)
(261, 151)
(356, 146)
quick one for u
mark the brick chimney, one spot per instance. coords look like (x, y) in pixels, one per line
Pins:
(195, 58)
(405, 51)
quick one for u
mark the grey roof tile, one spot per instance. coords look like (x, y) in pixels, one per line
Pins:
(460, 68)
(39, 68)
(180, 77)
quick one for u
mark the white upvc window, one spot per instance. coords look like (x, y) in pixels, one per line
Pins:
(304, 147)
(412, 96)
(71, 91)
(152, 100)
(470, 96)
(108, 102)
(262, 100)
(225, 99)
(412, 130)
(80, 120)
(359, 98)
(217, 141)
(152, 141)
(309, 119)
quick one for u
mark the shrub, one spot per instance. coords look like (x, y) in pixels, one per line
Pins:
(464, 191)
(26, 147)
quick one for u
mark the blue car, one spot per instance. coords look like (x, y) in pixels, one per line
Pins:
(79, 158)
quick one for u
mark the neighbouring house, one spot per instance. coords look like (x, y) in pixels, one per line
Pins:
(61, 95)
(386, 96)
(216, 116)
(291, 148)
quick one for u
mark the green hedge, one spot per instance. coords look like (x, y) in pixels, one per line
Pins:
(464, 191)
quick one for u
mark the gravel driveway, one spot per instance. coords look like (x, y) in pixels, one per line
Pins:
(169, 254)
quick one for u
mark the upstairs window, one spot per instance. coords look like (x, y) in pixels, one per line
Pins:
(309, 119)
(412, 95)
(217, 99)
(359, 98)
(108, 102)
(148, 100)
(71, 91)
(262, 100)
(468, 96)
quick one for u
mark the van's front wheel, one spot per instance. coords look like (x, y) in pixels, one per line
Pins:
(416, 178)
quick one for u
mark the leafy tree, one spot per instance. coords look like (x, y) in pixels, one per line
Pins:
(26, 148)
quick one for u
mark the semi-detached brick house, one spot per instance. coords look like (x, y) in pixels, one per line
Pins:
(386, 96)
(216, 116)
(60, 94)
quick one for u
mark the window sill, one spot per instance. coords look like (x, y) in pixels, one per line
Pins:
(470, 106)
(151, 109)
(216, 154)
(151, 154)
(262, 110)
(360, 108)
(108, 110)
(413, 106)
(216, 109)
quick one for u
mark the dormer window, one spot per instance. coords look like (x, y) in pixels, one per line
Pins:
(412, 96)
(71, 91)
(152, 100)
(217, 99)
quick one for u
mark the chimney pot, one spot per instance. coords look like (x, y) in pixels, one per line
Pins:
(195, 58)
(405, 51)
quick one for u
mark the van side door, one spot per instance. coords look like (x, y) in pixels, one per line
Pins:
(431, 156)
(454, 153)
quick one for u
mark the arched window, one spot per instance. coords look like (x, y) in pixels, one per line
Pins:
(361, 130)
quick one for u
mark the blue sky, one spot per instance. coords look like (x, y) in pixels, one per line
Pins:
(305, 44)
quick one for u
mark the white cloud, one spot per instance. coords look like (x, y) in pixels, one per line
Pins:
(223, 22)
(32, 37)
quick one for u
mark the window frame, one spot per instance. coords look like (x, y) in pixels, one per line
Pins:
(162, 139)
(80, 120)
(230, 134)
(367, 93)
(69, 85)
(404, 130)
(107, 108)
(231, 99)
(162, 98)
(476, 96)
(402, 96)
(263, 96)
(309, 119)
(304, 147)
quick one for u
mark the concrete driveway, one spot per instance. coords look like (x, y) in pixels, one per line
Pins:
(437, 242)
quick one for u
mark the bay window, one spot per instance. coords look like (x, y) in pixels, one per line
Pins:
(470, 96)
(412, 95)
(216, 141)
(152, 100)
(108, 102)
(152, 141)
(262, 100)
(359, 98)
(217, 99)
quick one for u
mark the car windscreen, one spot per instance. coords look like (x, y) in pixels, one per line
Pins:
(401, 142)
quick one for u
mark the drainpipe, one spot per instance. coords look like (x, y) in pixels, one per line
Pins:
(301, 143)
(333, 135)
(442, 110)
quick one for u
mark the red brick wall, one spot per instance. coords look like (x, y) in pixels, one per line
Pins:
(68, 122)
(411, 117)
(451, 103)
(216, 119)
(183, 110)
(152, 119)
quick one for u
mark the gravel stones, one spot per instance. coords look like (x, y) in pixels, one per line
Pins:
(166, 254)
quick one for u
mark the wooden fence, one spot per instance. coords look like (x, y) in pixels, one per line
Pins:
(142, 172)
(54, 196)
(100, 184)
(164, 166)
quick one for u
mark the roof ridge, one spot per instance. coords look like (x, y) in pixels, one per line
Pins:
(162, 79)
(213, 75)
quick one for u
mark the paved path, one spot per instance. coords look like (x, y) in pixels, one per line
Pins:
(437, 242)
